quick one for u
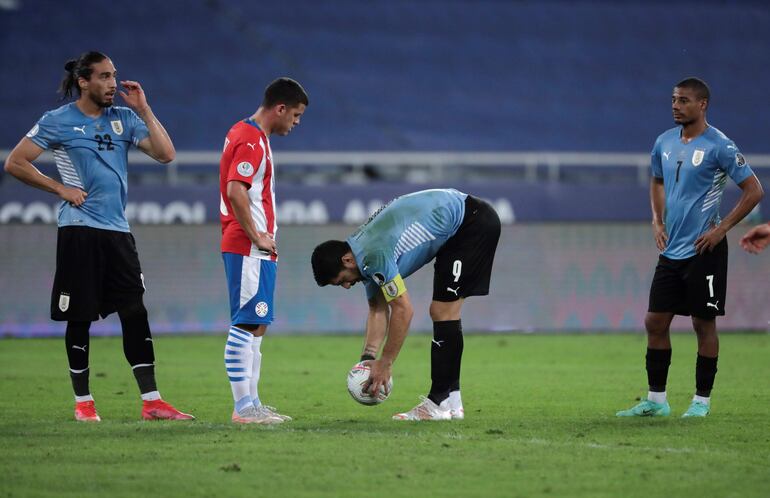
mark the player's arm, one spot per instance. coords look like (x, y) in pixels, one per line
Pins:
(376, 326)
(237, 194)
(158, 144)
(19, 164)
(401, 312)
(658, 204)
(751, 194)
(756, 239)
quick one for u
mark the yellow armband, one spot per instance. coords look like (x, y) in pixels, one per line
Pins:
(393, 289)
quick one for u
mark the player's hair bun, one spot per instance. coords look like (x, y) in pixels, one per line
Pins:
(70, 65)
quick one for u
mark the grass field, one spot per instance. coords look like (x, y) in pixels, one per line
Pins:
(539, 422)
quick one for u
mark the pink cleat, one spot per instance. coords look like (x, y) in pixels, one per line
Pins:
(158, 409)
(85, 411)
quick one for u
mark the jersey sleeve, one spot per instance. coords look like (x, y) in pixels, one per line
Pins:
(45, 132)
(137, 126)
(732, 162)
(246, 161)
(655, 162)
(382, 276)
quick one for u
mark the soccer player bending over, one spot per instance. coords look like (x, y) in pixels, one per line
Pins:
(97, 266)
(458, 230)
(690, 166)
(247, 213)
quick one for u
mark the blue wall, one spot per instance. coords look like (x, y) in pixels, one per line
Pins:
(429, 75)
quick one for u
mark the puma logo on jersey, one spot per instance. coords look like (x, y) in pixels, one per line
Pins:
(666, 154)
(713, 305)
(251, 145)
(82, 348)
(453, 291)
(81, 129)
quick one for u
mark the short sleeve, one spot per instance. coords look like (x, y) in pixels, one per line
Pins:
(732, 162)
(382, 275)
(246, 161)
(45, 132)
(656, 166)
(138, 128)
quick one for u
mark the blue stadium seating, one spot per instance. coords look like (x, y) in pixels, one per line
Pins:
(399, 75)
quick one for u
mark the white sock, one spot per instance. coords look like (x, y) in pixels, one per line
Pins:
(656, 397)
(238, 357)
(702, 399)
(151, 396)
(255, 369)
(455, 401)
(80, 399)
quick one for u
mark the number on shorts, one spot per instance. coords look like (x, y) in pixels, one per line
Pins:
(710, 280)
(457, 269)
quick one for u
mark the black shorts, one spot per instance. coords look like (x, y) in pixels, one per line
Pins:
(97, 271)
(463, 265)
(694, 286)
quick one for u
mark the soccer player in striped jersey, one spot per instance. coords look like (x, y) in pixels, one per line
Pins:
(247, 213)
(690, 166)
(97, 265)
(458, 230)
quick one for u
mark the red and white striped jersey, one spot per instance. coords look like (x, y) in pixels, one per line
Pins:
(247, 158)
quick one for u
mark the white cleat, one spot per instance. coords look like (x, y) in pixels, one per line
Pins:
(426, 410)
(254, 415)
(457, 413)
(272, 411)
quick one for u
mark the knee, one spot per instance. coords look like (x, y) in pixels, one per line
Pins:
(133, 308)
(704, 328)
(655, 326)
(442, 312)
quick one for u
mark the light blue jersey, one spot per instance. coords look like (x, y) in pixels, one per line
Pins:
(403, 236)
(92, 154)
(694, 176)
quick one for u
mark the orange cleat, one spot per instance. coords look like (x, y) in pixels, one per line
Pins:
(160, 410)
(85, 411)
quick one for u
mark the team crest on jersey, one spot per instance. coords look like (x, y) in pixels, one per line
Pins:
(391, 288)
(33, 131)
(261, 309)
(117, 126)
(697, 157)
(245, 169)
(740, 160)
(378, 278)
(64, 301)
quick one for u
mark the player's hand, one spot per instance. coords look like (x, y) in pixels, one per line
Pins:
(709, 240)
(134, 96)
(266, 243)
(756, 239)
(661, 237)
(379, 376)
(73, 195)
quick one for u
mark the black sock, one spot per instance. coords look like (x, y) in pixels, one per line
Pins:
(446, 352)
(137, 345)
(658, 361)
(705, 372)
(76, 340)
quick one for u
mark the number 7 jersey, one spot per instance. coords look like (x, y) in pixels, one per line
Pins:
(694, 177)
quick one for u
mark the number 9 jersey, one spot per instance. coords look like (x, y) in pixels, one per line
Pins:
(92, 154)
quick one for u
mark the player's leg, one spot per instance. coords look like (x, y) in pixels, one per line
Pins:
(76, 340)
(250, 283)
(707, 289)
(667, 298)
(123, 292)
(75, 298)
(463, 268)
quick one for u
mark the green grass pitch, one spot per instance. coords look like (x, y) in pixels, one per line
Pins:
(539, 422)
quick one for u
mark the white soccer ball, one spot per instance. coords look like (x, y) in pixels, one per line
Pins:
(357, 377)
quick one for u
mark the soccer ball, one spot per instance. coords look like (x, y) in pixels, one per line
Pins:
(357, 377)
